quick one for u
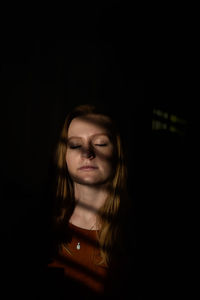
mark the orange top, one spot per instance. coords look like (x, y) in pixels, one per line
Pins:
(80, 258)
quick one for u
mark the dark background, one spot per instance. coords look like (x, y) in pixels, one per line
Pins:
(173, 192)
(94, 56)
(51, 62)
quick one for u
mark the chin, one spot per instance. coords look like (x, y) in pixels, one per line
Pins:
(88, 181)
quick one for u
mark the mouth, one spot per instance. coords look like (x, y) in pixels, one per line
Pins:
(88, 168)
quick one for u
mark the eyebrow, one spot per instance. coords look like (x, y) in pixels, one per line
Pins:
(93, 135)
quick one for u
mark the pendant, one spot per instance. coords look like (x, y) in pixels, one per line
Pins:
(78, 247)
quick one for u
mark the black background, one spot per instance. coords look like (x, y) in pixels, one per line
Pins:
(53, 59)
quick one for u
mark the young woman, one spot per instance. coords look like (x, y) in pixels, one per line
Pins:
(91, 205)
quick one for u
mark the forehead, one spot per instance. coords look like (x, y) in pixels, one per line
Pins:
(88, 125)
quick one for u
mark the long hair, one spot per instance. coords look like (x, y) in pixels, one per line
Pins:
(112, 212)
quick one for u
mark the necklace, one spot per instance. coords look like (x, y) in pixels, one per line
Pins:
(78, 246)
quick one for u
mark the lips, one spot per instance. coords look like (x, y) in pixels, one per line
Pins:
(88, 168)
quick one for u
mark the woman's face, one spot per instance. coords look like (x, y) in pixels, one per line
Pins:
(90, 152)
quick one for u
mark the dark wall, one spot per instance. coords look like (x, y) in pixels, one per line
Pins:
(172, 203)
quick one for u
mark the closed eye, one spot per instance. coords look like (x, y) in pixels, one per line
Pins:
(74, 146)
(101, 145)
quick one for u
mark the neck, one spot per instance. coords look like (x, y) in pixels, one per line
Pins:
(89, 200)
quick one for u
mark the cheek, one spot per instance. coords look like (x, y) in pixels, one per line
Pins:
(105, 154)
(70, 159)
(105, 157)
(106, 166)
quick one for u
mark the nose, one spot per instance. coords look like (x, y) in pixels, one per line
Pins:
(88, 152)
